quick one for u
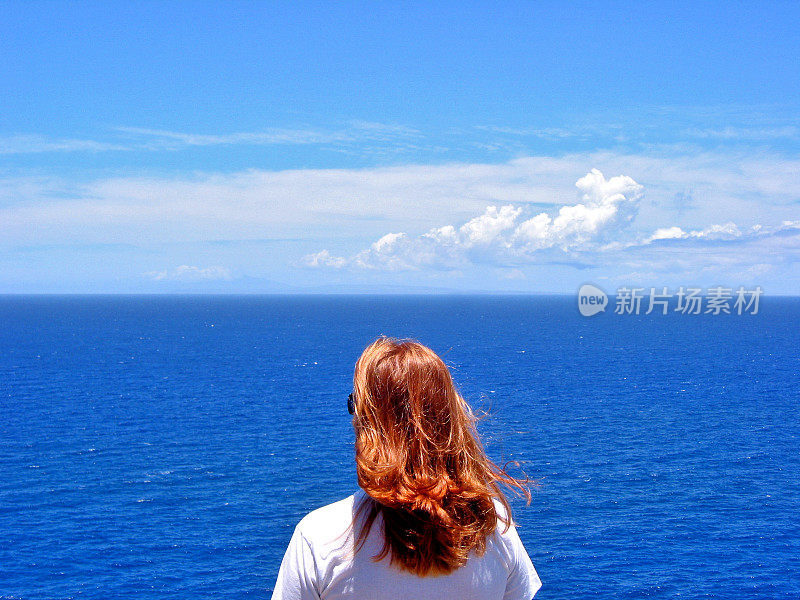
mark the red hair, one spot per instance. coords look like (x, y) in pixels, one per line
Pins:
(420, 461)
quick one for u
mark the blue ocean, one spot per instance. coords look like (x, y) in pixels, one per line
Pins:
(164, 447)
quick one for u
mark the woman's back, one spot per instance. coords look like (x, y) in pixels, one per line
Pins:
(429, 519)
(320, 562)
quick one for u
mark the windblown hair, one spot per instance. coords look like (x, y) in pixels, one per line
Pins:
(420, 461)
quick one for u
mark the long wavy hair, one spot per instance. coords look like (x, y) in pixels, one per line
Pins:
(421, 463)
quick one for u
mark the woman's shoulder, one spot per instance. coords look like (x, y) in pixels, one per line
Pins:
(506, 531)
(502, 513)
(329, 521)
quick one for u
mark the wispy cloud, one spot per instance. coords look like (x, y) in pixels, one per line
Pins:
(162, 139)
(727, 232)
(155, 139)
(582, 131)
(702, 127)
(186, 273)
(353, 133)
(33, 144)
(746, 133)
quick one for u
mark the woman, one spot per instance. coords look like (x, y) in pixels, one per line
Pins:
(430, 520)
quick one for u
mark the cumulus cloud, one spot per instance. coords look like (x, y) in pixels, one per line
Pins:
(503, 236)
(186, 273)
(608, 205)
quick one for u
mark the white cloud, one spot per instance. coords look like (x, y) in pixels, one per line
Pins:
(364, 204)
(727, 231)
(598, 225)
(486, 228)
(499, 235)
(186, 273)
(438, 218)
(724, 232)
(389, 253)
(667, 233)
(323, 259)
(607, 206)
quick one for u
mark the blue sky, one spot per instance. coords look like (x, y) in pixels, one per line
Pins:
(296, 147)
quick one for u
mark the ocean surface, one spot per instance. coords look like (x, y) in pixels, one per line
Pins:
(164, 447)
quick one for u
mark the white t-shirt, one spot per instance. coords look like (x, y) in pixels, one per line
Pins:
(319, 564)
